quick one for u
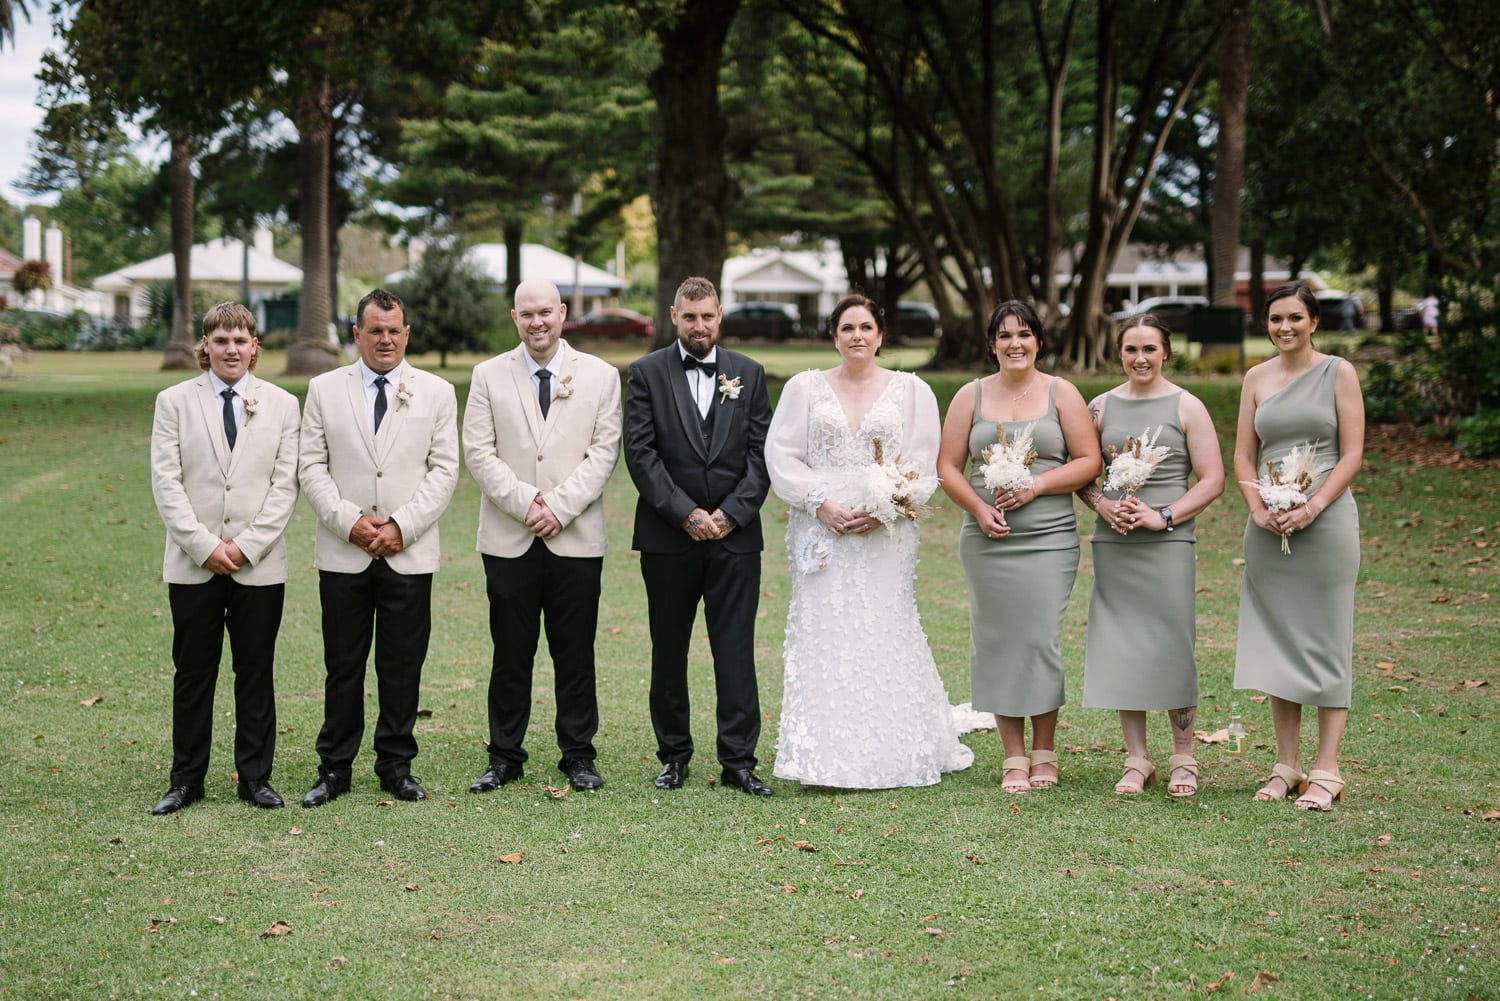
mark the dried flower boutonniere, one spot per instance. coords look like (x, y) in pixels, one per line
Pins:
(564, 388)
(403, 395)
(251, 403)
(729, 389)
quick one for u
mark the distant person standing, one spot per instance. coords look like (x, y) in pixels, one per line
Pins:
(1350, 311)
(224, 475)
(379, 464)
(1427, 309)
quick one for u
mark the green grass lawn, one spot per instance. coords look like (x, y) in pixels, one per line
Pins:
(952, 891)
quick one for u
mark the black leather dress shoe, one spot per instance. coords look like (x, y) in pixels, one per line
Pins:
(261, 794)
(581, 773)
(496, 776)
(673, 775)
(327, 789)
(404, 787)
(176, 798)
(744, 780)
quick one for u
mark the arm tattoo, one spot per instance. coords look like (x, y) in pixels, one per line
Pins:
(1090, 494)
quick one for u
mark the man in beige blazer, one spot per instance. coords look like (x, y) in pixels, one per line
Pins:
(541, 437)
(379, 463)
(224, 475)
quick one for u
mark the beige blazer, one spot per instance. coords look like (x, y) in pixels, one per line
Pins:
(514, 455)
(208, 494)
(407, 472)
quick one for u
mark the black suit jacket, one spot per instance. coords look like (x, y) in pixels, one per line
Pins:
(672, 468)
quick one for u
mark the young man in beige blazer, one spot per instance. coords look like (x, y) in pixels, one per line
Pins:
(224, 475)
(379, 464)
(541, 437)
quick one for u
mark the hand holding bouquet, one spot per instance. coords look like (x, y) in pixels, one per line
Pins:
(1130, 469)
(1285, 484)
(891, 492)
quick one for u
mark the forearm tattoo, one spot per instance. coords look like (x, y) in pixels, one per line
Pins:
(1091, 495)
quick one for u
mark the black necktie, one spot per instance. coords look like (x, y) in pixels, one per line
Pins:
(231, 430)
(544, 390)
(689, 363)
(380, 383)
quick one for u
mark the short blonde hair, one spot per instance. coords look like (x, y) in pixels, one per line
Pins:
(226, 316)
(695, 289)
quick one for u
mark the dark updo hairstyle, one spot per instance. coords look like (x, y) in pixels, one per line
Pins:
(1289, 290)
(1021, 311)
(1152, 321)
(847, 303)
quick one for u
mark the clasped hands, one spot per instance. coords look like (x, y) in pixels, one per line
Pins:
(1284, 523)
(705, 527)
(379, 537)
(1128, 513)
(225, 559)
(841, 520)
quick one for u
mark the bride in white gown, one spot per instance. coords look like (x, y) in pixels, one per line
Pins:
(863, 706)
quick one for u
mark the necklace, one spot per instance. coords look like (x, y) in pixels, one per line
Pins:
(1017, 399)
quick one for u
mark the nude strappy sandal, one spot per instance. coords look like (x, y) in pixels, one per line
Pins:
(1146, 767)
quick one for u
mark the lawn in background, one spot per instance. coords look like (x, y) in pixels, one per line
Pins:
(952, 891)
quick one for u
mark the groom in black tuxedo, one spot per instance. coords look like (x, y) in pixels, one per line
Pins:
(696, 418)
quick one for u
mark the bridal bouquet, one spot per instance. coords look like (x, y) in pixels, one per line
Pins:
(890, 492)
(1007, 465)
(1129, 470)
(1284, 485)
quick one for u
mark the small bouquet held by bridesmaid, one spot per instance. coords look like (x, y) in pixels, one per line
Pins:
(891, 492)
(1130, 469)
(1007, 464)
(1284, 485)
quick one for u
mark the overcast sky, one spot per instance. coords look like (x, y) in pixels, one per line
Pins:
(19, 115)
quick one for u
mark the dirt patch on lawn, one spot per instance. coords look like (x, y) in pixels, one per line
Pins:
(1405, 443)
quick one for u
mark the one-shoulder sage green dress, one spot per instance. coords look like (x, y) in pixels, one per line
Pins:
(1142, 625)
(1019, 585)
(1296, 637)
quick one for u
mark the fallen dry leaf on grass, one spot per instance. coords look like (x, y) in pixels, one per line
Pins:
(1220, 982)
(336, 962)
(1472, 683)
(92, 700)
(295, 831)
(511, 859)
(1217, 737)
(1262, 979)
(788, 889)
(556, 793)
(806, 846)
(1385, 665)
(411, 887)
(1490, 815)
(1383, 840)
(386, 802)
(277, 929)
(857, 893)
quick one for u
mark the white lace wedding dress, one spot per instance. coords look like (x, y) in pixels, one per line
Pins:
(863, 706)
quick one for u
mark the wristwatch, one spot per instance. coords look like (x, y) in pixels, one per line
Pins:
(1166, 516)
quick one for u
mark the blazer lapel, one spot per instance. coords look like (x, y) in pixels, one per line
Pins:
(355, 394)
(520, 374)
(687, 407)
(249, 390)
(212, 410)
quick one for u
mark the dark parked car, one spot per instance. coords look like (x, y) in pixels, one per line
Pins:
(916, 319)
(1331, 306)
(771, 321)
(1176, 311)
(611, 324)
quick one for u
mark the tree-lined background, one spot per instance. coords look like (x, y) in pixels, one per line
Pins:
(965, 151)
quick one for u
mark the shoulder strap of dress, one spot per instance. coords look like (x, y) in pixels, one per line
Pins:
(1052, 395)
(974, 418)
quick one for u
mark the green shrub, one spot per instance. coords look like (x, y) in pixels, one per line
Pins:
(1479, 436)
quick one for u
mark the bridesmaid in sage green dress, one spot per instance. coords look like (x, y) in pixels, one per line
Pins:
(1296, 635)
(1142, 624)
(1019, 548)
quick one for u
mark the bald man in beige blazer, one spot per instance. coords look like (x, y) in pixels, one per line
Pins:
(379, 464)
(541, 438)
(224, 476)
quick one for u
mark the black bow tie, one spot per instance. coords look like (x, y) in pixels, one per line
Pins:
(689, 363)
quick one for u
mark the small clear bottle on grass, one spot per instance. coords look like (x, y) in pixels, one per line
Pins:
(1238, 739)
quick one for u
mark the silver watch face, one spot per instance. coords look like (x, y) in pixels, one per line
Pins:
(1166, 514)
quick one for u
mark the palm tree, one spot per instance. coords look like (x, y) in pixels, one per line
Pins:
(8, 11)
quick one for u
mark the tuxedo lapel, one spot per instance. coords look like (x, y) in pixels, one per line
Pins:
(211, 409)
(724, 409)
(687, 407)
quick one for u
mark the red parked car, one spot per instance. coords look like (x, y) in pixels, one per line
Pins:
(611, 324)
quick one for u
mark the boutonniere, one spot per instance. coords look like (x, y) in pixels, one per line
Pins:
(403, 395)
(565, 388)
(729, 389)
(250, 404)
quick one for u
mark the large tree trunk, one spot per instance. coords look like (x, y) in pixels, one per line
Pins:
(513, 232)
(313, 351)
(691, 185)
(179, 354)
(1229, 155)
